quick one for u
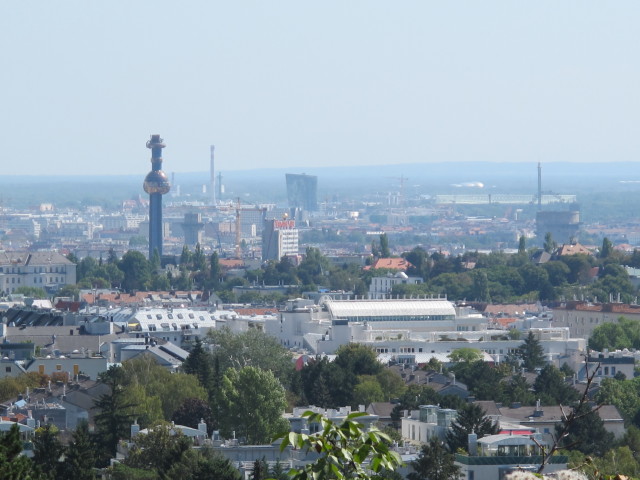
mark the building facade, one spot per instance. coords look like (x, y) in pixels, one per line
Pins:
(302, 191)
(47, 270)
(279, 238)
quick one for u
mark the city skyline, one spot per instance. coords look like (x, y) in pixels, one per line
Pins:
(294, 85)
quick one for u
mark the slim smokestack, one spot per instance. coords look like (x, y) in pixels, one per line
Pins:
(212, 174)
(539, 186)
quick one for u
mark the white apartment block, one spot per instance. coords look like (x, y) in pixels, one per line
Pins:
(47, 270)
(381, 287)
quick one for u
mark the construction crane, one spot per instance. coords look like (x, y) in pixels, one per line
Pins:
(238, 231)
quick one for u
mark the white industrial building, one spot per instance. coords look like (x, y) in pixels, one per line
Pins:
(406, 330)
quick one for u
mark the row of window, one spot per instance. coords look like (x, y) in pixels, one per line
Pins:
(165, 326)
(397, 318)
(180, 316)
(35, 280)
(35, 270)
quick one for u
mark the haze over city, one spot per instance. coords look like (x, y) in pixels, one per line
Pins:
(297, 240)
(289, 84)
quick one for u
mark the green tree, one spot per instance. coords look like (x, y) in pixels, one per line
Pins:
(466, 355)
(136, 270)
(624, 394)
(391, 383)
(480, 289)
(47, 450)
(549, 244)
(434, 463)
(587, 433)
(113, 419)
(199, 259)
(146, 409)
(343, 449)
(199, 363)
(522, 245)
(158, 387)
(471, 419)
(251, 348)
(71, 291)
(154, 262)
(252, 402)
(358, 359)
(185, 256)
(159, 283)
(367, 391)
(278, 472)
(86, 267)
(14, 465)
(79, 459)
(384, 246)
(552, 389)
(531, 353)
(326, 384)
(518, 390)
(215, 272)
(260, 470)
(579, 266)
(484, 380)
(159, 449)
(557, 271)
(607, 248)
(112, 257)
(610, 336)
(203, 464)
(34, 292)
(313, 267)
(618, 462)
(191, 412)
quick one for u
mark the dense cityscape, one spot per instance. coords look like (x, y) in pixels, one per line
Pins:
(179, 337)
(319, 241)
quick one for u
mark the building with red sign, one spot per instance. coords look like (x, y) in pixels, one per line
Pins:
(279, 238)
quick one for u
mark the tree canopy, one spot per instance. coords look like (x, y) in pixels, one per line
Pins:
(252, 402)
(471, 418)
(343, 450)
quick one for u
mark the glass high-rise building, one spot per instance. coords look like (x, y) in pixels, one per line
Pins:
(302, 191)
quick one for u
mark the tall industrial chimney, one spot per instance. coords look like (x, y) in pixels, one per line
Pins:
(212, 180)
(539, 186)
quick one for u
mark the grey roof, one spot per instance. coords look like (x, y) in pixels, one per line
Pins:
(489, 407)
(381, 409)
(169, 353)
(35, 258)
(65, 343)
(379, 308)
(554, 413)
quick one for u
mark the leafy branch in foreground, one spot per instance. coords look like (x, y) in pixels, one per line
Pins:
(343, 449)
(577, 413)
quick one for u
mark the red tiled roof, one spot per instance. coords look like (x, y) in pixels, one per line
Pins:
(573, 250)
(394, 263)
(505, 322)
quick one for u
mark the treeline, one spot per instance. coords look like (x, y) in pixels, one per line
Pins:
(494, 277)
(498, 277)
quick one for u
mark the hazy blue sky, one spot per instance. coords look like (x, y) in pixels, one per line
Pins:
(291, 83)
